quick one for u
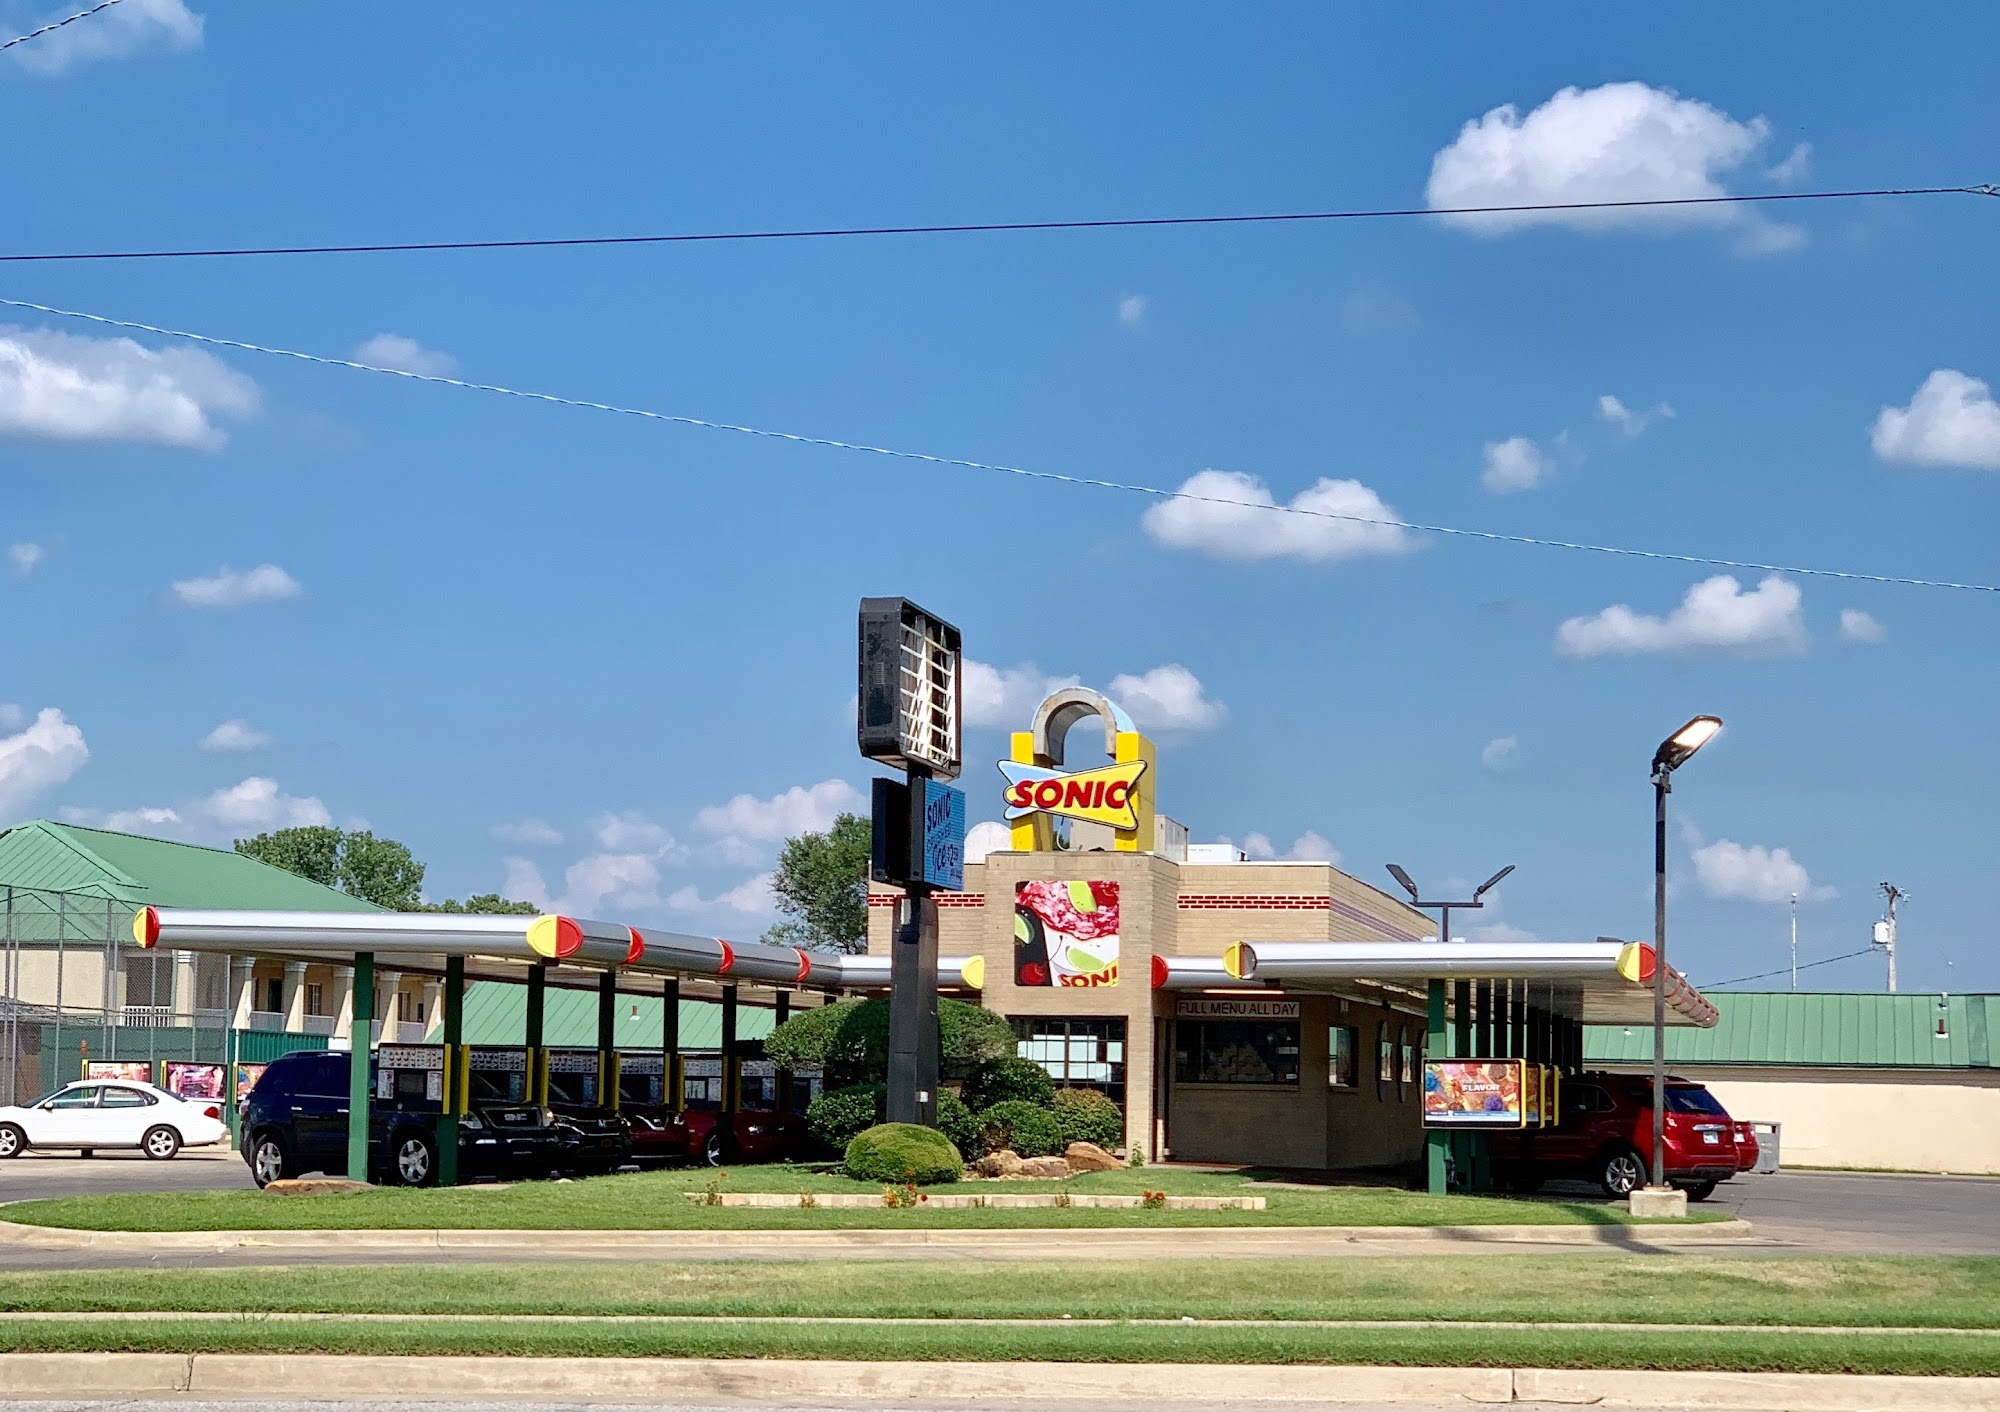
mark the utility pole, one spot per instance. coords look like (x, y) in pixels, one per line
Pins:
(1795, 941)
(1885, 930)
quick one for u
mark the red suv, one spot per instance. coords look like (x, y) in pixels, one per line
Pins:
(1606, 1136)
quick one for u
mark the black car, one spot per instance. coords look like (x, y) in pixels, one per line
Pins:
(595, 1139)
(295, 1121)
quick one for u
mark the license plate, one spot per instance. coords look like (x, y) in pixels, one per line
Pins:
(1712, 1139)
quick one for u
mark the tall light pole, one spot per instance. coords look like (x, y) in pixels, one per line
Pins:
(1674, 752)
(1444, 909)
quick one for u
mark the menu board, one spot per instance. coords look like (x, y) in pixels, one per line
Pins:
(136, 1071)
(185, 1080)
(1475, 1093)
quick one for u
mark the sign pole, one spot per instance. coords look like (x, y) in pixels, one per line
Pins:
(913, 1022)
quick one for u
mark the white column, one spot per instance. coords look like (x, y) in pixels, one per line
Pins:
(183, 982)
(243, 990)
(295, 996)
(433, 1007)
(343, 1008)
(387, 985)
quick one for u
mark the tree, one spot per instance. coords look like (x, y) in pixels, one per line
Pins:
(849, 1041)
(489, 904)
(821, 883)
(377, 870)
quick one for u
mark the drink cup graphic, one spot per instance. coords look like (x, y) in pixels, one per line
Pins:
(1066, 933)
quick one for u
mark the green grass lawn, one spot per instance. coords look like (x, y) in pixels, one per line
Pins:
(656, 1201)
(1820, 1290)
(1956, 1354)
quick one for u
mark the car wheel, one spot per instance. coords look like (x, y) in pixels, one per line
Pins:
(1699, 1191)
(711, 1151)
(1621, 1172)
(415, 1161)
(161, 1143)
(268, 1162)
(13, 1142)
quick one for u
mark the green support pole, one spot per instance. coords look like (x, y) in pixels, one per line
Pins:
(607, 1039)
(731, 1089)
(1436, 1141)
(784, 1079)
(1480, 1177)
(538, 986)
(454, 1060)
(1461, 1048)
(675, 1085)
(361, 1045)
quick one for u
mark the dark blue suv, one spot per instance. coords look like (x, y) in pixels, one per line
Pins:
(295, 1121)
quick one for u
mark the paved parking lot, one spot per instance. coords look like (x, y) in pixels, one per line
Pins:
(34, 1175)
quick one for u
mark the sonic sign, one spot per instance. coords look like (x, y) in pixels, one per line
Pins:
(1051, 807)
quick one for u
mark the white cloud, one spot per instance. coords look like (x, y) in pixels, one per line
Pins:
(12, 717)
(230, 589)
(800, 809)
(989, 837)
(1501, 752)
(1753, 873)
(1233, 516)
(751, 898)
(1627, 420)
(25, 558)
(1167, 698)
(234, 738)
(393, 350)
(116, 33)
(36, 758)
(257, 804)
(1132, 310)
(1796, 166)
(1514, 464)
(1716, 615)
(1372, 310)
(69, 388)
(631, 832)
(1952, 421)
(1493, 931)
(524, 881)
(528, 831)
(1857, 626)
(1308, 847)
(1006, 696)
(1617, 142)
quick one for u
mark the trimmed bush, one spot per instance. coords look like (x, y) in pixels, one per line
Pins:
(1028, 1128)
(1085, 1115)
(903, 1152)
(1009, 1080)
(956, 1121)
(838, 1114)
(849, 1041)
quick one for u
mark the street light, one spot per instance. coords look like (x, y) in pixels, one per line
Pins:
(1445, 908)
(1675, 751)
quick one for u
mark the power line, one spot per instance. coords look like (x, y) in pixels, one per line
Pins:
(990, 227)
(1782, 970)
(927, 458)
(58, 24)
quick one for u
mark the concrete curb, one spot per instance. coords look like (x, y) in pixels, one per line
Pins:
(666, 1244)
(793, 1381)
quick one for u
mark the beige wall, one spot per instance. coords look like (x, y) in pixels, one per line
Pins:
(1910, 1120)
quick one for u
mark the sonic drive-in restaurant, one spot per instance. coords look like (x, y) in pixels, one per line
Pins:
(1267, 1012)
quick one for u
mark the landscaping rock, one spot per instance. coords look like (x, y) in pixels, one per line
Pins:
(1043, 1167)
(314, 1186)
(1089, 1157)
(1004, 1163)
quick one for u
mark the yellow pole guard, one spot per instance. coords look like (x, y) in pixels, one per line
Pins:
(608, 1092)
(732, 1084)
(676, 1094)
(538, 1077)
(445, 1089)
(461, 1092)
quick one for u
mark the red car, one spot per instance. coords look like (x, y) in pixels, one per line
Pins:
(662, 1135)
(1606, 1136)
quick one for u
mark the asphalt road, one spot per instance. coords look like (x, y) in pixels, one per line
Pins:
(1794, 1212)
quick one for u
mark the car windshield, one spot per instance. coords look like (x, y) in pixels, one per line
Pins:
(46, 1097)
(1694, 1100)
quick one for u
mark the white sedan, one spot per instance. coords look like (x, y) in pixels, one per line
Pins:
(97, 1113)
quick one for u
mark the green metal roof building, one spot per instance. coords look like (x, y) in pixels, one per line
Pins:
(497, 1013)
(1820, 1030)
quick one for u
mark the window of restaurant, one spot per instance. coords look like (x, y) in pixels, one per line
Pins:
(1343, 1057)
(1237, 1052)
(1075, 1053)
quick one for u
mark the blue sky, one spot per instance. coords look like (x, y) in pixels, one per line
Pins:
(610, 661)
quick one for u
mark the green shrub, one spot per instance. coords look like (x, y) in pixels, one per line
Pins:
(849, 1041)
(1028, 1128)
(956, 1122)
(1009, 1080)
(1085, 1115)
(838, 1114)
(903, 1152)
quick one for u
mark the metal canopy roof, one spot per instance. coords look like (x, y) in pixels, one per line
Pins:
(1825, 1030)
(1598, 982)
